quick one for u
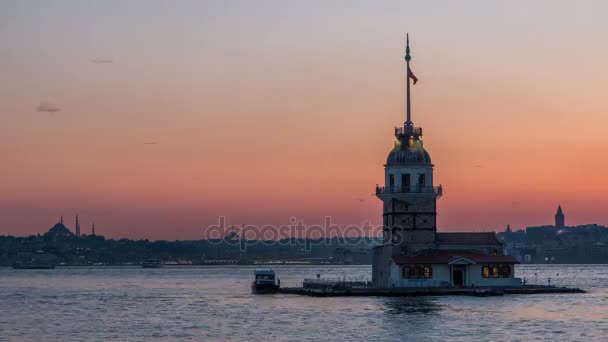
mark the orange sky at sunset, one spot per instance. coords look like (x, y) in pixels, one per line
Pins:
(263, 111)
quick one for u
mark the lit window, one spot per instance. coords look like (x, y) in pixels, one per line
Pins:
(495, 272)
(485, 271)
(417, 272)
(428, 272)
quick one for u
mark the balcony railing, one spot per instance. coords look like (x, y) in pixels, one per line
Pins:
(437, 190)
(408, 130)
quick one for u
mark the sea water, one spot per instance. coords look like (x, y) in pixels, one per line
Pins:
(214, 303)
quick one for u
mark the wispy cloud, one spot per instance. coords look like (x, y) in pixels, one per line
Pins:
(102, 61)
(47, 107)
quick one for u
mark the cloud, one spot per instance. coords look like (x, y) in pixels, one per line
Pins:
(102, 61)
(47, 107)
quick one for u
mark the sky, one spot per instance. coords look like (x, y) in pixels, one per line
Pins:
(154, 118)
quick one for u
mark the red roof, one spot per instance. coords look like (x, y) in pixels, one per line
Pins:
(442, 256)
(466, 239)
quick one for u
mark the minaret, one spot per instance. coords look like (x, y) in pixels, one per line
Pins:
(560, 218)
(408, 121)
(409, 195)
(61, 220)
(77, 227)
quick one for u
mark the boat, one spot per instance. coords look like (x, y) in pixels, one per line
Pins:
(151, 263)
(33, 265)
(265, 282)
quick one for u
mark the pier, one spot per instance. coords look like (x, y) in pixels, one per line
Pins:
(430, 291)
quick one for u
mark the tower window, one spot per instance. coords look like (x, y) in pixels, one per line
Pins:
(391, 181)
(421, 180)
(405, 182)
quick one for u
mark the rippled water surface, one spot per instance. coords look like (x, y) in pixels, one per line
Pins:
(214, 303)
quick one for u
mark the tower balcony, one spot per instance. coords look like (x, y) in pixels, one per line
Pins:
(408, 130)
(436, 190)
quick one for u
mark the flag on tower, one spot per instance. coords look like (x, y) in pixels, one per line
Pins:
(412, 76)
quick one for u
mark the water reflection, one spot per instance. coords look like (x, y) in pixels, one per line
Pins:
(411, 306)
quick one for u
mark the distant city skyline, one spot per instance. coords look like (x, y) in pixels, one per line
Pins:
(153, 119)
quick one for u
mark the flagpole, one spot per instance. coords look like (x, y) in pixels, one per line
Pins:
(408, 122)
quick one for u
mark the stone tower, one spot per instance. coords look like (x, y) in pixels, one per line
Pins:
(409, 196)
(77, 227)
(560, 219)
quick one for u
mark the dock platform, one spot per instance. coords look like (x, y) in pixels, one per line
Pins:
(405, 292)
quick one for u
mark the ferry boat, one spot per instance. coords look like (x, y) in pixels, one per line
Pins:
(265, 282)
(151, 263)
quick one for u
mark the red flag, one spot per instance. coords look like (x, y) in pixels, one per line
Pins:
(412, 76)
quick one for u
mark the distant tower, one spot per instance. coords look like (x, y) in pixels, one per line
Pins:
(61, 221)
(560, 219)
(77, 227)
(408, 196)
(93, 229)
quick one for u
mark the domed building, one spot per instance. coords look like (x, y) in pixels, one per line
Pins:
(413, 253)
(59, 232)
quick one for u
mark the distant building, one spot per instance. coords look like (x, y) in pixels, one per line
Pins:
(558, 243)
(413, 253)
(59, 232)
(560, 218)
(77, 227)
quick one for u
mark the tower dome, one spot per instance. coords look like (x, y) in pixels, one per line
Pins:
(408, 153)
(409, 149)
